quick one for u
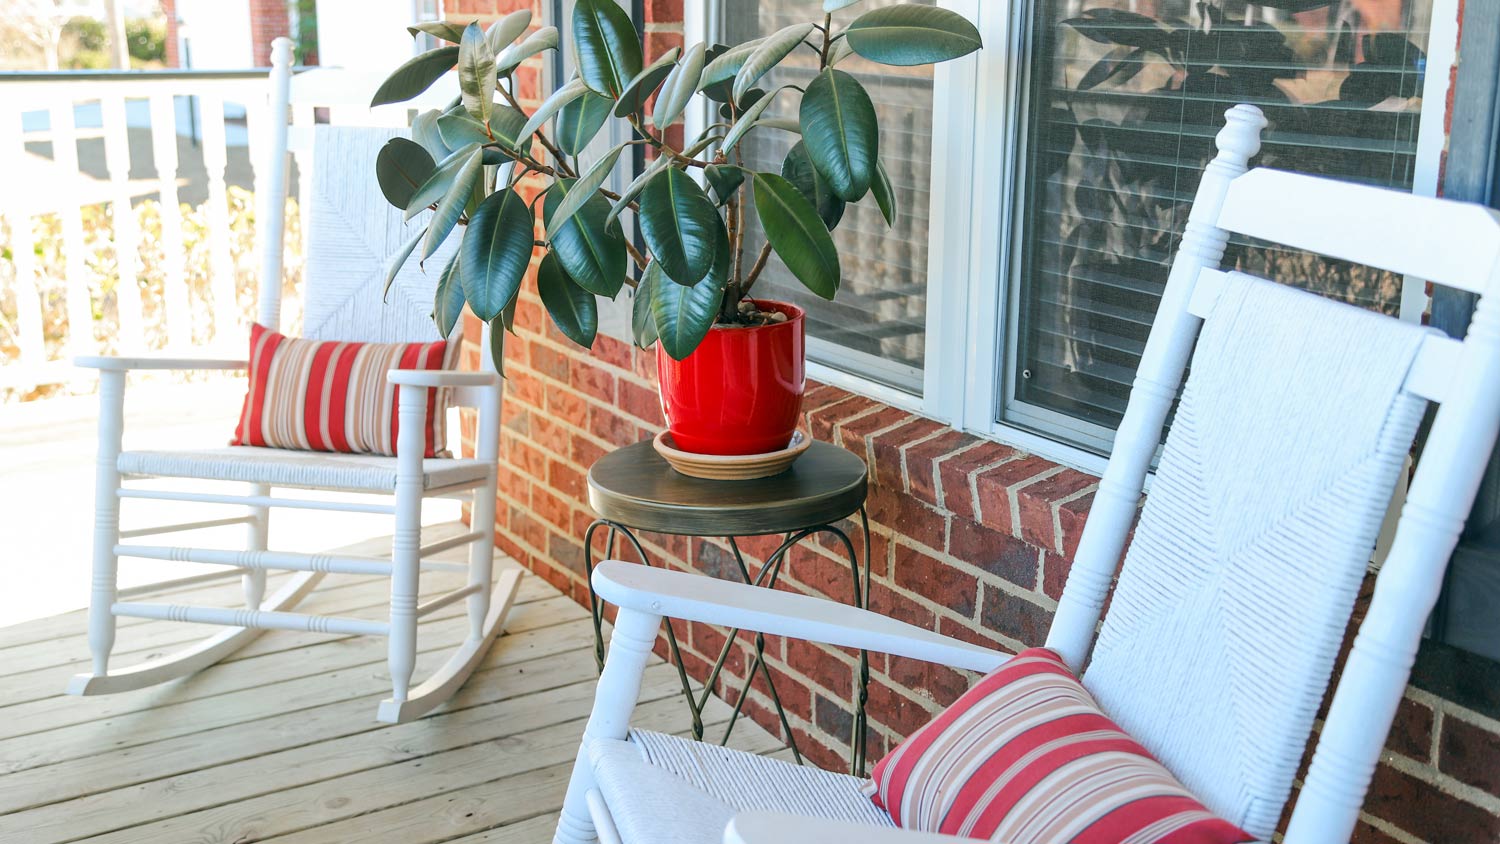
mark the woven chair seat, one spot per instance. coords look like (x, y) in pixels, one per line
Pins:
(284, 467)
(713, 784)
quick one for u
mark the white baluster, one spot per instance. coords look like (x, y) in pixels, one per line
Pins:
(131, 333)
(17, 208)
(226, 309)
(1162, 363)
(175, 302)
(64, 193)
(304, 118)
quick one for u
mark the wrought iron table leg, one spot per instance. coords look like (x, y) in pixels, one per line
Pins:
(765, 577)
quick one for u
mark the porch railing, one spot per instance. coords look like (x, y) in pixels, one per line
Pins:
(214, 113)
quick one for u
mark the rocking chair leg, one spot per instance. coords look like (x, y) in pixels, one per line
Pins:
(106, 519)
(257, 536)
(614, 701)
(407, 541)
(481, 557)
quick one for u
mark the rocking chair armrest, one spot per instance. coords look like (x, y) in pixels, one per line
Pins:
(775, 828)
(111, 363)
(442, 378)
(694, 597)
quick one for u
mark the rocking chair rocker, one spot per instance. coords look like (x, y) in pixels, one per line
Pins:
(1231, 607)
(342, 298)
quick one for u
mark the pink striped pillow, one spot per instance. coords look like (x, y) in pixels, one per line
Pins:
(323, 395)
(1026, 757)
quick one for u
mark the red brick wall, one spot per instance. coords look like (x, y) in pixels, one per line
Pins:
(268, 21)
(970, 537)
(169, 9)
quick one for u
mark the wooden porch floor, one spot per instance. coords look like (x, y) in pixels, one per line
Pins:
(279, 742)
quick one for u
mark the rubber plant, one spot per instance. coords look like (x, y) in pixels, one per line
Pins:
(692, 205)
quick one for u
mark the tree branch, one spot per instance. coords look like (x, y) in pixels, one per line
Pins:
(557, 154)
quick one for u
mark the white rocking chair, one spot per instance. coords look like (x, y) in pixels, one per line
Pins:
(1226, 623)
(352, 231)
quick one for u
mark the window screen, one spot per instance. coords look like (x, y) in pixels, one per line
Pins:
(875, 326)
(1124, 101)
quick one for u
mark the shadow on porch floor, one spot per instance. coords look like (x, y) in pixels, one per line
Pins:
(279, 743)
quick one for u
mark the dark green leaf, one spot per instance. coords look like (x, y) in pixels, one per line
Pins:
(553, 104)
(583, 190)
(398, 260)
(908, 34)
(718, 77)
(459, 129)
(476, 73)
(496, 252)
(573, 309)
(725, 179)
(684, 314)
(511, 57)
(839, 128)
(634, 189)
(678, 223)
(437, 184)
(608, 49)
(591, 251)
(681, 83)
(797, 234)
(453, 203)
(642, 320)
(776, 46)
(640, 89)
(718, 91)
(502, 33)
(450, 32)
(1121, 62)
(497, 342)
(580, 120)
(748, 120)
(885, 195)
(401, 167)
(799, 170)
(424, 131)
(416, 76)
(1118, 26)
(506, 124)
(448, 304)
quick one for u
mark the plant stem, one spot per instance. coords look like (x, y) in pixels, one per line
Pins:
(760, 264)
(827, 28)
(640, 260)
(663, 147)
(557, 154)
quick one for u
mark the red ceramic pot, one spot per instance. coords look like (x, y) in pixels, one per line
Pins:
(740, 391)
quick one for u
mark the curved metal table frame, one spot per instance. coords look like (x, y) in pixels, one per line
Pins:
(634, 489)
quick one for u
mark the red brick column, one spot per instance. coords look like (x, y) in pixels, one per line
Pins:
(169, 8)
(268, 21)
(970, 537)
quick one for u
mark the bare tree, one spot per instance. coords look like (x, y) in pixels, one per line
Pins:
(39, 23)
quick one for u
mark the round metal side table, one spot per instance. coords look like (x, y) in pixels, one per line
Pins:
(634, 489)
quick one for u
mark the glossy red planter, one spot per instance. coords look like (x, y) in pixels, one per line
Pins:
(740, 391)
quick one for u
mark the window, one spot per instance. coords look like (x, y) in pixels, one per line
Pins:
(876, 326)
(1123, 100)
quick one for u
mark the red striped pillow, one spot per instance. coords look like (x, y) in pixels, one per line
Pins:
(1026, 757)
(323, 395)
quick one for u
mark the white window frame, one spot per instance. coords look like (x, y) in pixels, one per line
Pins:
(979, 104)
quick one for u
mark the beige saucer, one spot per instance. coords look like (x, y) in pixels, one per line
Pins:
(731, 467)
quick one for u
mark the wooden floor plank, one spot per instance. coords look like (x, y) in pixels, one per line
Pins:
(278, 730)
(540, 693)
(274, 667)
(280, 743)
(323, 674)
